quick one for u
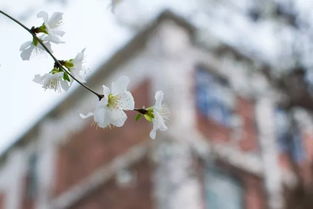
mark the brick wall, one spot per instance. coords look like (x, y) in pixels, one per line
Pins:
(248, 139)
(213, 130)
(136, 195)
(92, 147)
(28, 198)
(254, 194)
(2, 201)
(221, 134)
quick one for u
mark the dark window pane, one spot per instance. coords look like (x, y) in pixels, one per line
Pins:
(213, 97)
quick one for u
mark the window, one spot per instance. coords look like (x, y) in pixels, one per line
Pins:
(214, 98)
(288, 137)
(222, 191)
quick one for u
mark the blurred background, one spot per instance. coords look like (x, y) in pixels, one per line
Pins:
(237, 77)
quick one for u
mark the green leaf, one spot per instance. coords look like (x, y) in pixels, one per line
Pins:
(148, 117)
(66, 77)
(55, 70)
(35, 42)
(42, 29)
(69, 63)
(138, 116)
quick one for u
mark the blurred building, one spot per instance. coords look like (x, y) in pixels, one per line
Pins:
(231, 142)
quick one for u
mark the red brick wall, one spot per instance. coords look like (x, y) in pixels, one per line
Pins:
(28, 200)
(219, 133)
(248, 140)
(307, 173)
(137, 195)
(254, 194)
(284, 160)
(92, 147)
(212, 130)
(308, 145)
(2, 201)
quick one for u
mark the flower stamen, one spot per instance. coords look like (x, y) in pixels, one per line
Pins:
(113, 101)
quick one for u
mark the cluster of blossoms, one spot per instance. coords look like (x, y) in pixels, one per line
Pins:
(60, 80)
(110, 109)
(49, 31)
(112, 104)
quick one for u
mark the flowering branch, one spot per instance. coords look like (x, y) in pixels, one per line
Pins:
(100, 96)
(32, 31)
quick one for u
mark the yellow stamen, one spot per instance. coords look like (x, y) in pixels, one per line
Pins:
(113, 101)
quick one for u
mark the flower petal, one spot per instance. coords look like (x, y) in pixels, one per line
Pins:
(106, 90)
(59, 32)
(55, 20)
(126, 101)
(103, 102)
(80, 57)
(65, 85)
(153, 132)
(117, 117)
(54, 38)
(158, 123)
(43, 15)
(26, 53)
(46, 42)
(79, 70)
(38, 78)
(26, 45)
(84, 116)
(159, 120)
(159, 99)
(78, 75)
(120, 85)
(101, 117)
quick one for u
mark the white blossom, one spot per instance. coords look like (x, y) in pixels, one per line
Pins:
(29, 47)
(160, 114)
(79, 70)
(51, 34)
(52, 81)
(110, 109)
(52, 26)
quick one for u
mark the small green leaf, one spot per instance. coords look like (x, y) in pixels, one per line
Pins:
(148, 117)
(42, 29)
(35, 42)
(69, 63)
(66, 77)
(138, 116)
(55, 70)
